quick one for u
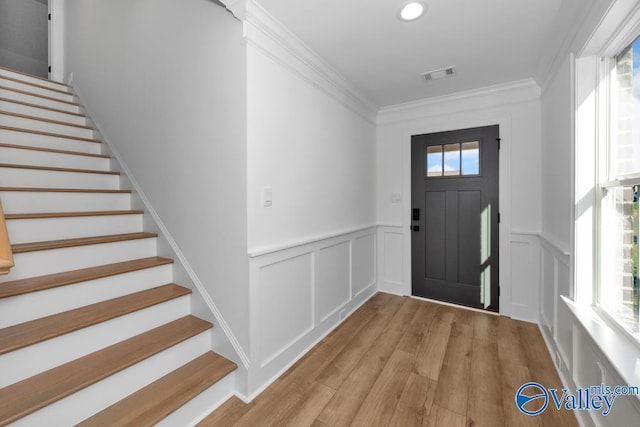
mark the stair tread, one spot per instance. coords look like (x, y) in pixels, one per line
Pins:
(34, 331)
(34, 284)
(12, 79)
(33, 76)
(154, 402)
(42, 119)
(62, 190)
(29, 104)
(56, 135)
(82, 241)
(70, 214)
(24, 397)
(55, 169)
(25, 92)
(53, 150)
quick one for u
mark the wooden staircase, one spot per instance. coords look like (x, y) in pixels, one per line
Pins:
(93, 331)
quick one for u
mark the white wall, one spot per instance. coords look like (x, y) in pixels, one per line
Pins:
(516, 109)
(586, 349)
(165, 83)
(315, 153)
(24, 36)
(557, 119)
(311, 139)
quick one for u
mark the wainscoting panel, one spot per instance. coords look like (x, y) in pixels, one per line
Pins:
(391, 260)
(555, 318)
(287, 312)
(524, 277)
(300, 292)
(333, 279)
(364, 263)
(548, 288)
(563, 325)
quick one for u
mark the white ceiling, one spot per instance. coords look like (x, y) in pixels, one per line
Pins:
(489, 41)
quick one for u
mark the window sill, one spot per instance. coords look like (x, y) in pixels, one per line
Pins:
(620, 352)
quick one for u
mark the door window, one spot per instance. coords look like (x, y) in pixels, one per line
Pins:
(453, 159)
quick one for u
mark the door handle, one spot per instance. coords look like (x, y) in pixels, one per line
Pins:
(415, 228)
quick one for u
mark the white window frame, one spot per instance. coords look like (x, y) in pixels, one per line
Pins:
(604, 131)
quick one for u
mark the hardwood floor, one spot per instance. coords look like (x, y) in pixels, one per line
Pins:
(399, 361)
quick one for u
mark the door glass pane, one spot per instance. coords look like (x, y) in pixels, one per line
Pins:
(434, 160)
(470, 158)
(451, 159)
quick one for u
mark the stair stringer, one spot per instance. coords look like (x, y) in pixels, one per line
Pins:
(223, 340)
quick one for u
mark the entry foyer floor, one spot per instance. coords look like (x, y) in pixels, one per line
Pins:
(399, 361)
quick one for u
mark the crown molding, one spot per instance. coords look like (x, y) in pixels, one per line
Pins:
(238, 8)
(582, 33)
(273, 39)
(490, 96)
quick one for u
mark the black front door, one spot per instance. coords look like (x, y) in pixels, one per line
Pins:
(454, 197)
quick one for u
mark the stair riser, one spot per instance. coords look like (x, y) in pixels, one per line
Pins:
(43, 126)
(66, 97)
(28, 361)
(37, 202)
(42, 113)
(14, 177)
(22, 308)
(47, 141)
(90, 400)
(43, 229)
(19, 156)
(29, 79)
(201, 405)
(32, 99)
(38, 263)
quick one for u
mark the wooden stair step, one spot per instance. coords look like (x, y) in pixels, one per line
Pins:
(42, 119)
(52, 150)
(33, 76)
(82, 241)
(70, 214)
(49, 98)
(42, 107)
(24, 397)
(24, 82)
(56, 135)
(61, 190)
(49, 281)
(154, 402)
(34, 331)
(54, 169)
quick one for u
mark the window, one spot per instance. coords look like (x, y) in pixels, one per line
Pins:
(618, 293)
(454, 159)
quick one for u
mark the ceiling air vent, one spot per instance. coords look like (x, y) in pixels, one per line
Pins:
(439, 73)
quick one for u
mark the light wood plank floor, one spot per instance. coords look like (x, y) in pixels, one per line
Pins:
(399, 361)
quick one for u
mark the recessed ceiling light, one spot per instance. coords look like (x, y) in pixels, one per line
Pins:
(412, 11)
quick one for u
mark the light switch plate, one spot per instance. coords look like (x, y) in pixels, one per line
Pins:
(267, 197)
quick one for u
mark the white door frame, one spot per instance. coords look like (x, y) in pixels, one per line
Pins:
(56, 40)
